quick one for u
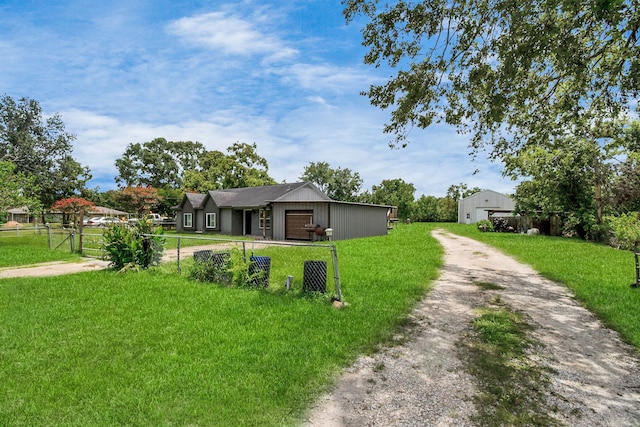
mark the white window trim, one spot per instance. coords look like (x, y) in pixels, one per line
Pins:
(215, 220)
(187, 220)
(260, 224)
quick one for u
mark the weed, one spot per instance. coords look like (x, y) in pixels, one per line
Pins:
(512, 386)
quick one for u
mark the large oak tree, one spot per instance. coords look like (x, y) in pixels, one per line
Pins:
(40, 148)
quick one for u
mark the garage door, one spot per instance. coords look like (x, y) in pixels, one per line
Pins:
(295, 222)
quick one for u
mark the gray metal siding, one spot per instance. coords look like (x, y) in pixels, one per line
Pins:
(306, 194)
(476, 205)
(353, 221)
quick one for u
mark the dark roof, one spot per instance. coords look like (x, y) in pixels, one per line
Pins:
(257, 196)
(195, 200)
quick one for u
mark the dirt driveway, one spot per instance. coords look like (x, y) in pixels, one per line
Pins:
(595, 377)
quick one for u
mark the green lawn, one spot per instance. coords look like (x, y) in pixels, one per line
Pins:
(29, 248)
(155, 348)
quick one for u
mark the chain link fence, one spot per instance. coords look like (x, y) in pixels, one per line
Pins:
(311, 267)
(277, 265)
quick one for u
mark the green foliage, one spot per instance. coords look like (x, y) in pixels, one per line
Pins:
(158, 163)
(562, 180)
(40, 148)
(16, 188)
(393, 192)
(626, 229)
(339, 184)
(234, 271)
(484, 225)
(510, 73)
(133, 246)
(241, 167)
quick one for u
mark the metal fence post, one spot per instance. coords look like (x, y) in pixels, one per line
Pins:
(178, 253)
(72, 238)
(49, 237)
(336, 271)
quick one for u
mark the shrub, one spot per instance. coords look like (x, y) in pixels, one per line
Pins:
(484, 225)
(133, 246)
(235, 271)
(626, 229)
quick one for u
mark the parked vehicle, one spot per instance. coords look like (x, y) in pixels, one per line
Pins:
(154, 218)
(101, 221)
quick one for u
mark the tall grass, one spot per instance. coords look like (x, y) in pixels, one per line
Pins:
(154, 348)
(598, 275)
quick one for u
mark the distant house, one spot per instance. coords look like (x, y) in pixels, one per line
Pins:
(20, 214)
(483, 204)
(279, 212)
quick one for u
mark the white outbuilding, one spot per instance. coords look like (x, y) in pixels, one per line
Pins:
(483, 204)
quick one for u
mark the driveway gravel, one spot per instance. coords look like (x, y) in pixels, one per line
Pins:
(594, 375)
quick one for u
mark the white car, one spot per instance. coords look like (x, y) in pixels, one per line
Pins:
(101, 221)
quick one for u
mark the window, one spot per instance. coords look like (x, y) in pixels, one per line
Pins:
(188, 220)
(468, 215)
(210, 220)
(265, 217)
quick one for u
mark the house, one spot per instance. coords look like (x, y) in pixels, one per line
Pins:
(482, 205)
(20, 214)
(279, 212)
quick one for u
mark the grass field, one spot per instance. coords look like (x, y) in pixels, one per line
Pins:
(155, 348)
(29, 248)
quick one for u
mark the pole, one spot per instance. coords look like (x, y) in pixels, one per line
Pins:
(178, 251)
(636, 284)
(336, 271)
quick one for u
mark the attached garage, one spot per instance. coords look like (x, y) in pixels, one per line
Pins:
(294, 223)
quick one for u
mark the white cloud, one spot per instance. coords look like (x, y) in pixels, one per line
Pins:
(231, 34)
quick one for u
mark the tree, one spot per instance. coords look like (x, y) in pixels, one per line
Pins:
(158, 163)
(511, 73)
(425, 209)
(15, 189)
(71, 208)
(140, 200)
(40, 148)
(560, 182)
(339, 184)
(394, 192)
(241, 167)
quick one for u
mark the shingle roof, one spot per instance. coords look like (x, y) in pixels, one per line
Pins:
(253, 196)
(195, 199)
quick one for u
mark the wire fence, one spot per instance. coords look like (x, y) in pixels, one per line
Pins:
(279, 265)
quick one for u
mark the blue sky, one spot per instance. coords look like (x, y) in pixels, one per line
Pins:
(286, 75)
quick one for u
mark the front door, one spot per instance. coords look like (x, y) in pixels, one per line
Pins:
(248, 215)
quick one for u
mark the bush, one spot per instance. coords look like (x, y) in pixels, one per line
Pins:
(234, 271)
(133, 246)
(626, 229)
(484, 225)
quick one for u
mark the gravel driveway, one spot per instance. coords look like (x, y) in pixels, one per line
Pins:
(595, 377)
